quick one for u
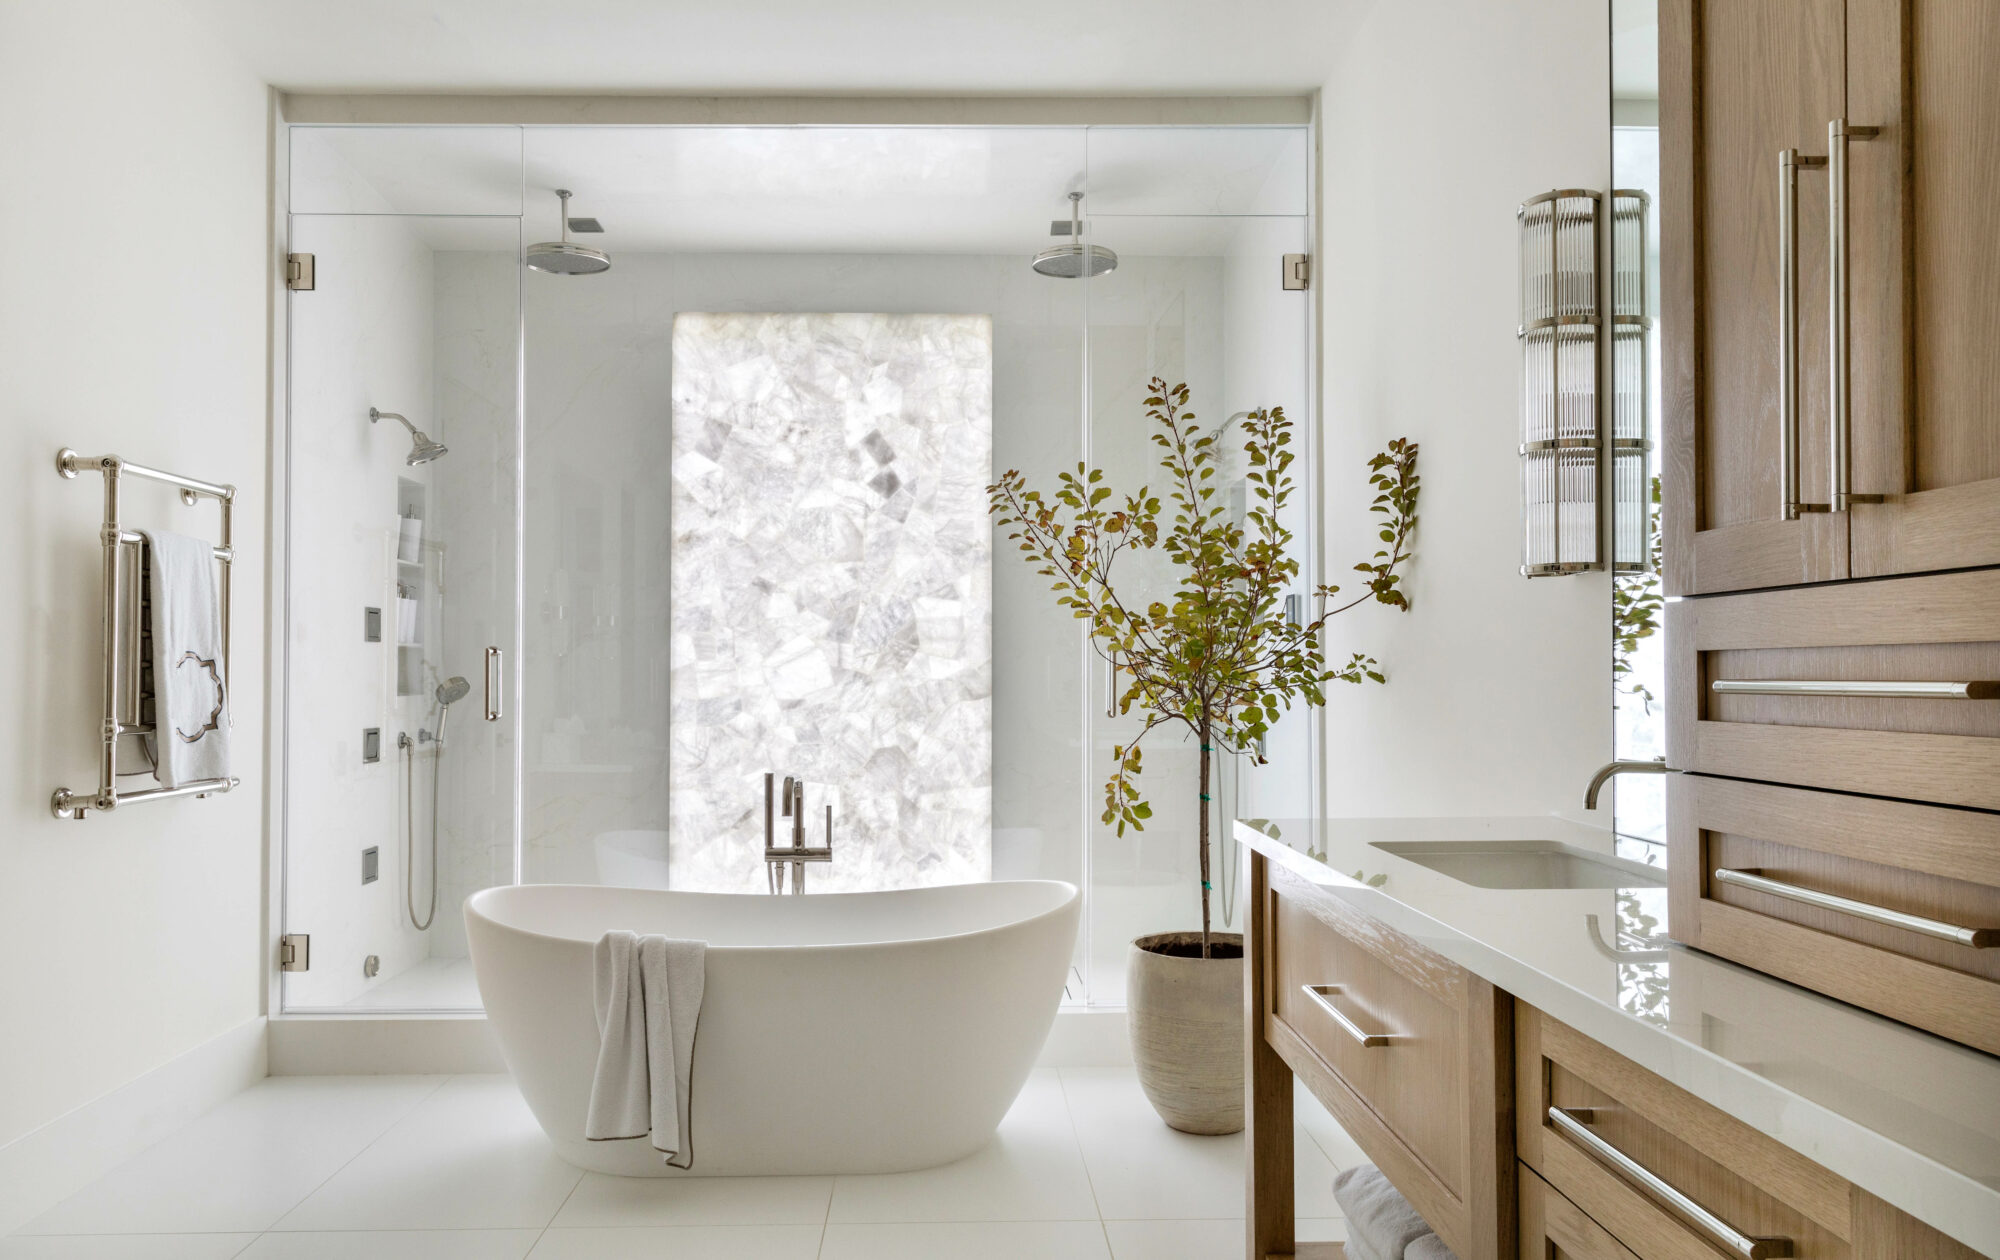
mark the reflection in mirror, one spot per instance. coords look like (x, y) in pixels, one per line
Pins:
(1639, 655)
(1638, 647)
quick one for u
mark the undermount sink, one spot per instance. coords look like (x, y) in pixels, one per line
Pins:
(1524, 864)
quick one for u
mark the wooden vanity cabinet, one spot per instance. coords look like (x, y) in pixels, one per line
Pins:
(1455, 1103)
(1406, 1049)
(1644, 1169)
(1741, 80)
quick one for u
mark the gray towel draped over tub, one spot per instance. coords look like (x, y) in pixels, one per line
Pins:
(648, 992)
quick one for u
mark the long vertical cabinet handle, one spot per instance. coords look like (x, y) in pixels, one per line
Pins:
(494, 684)
(1838, 133)
(1789, 162)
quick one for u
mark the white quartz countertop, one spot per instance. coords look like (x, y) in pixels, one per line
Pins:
(1911, 1118)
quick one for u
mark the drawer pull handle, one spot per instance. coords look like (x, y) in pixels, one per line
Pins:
(1571, 1121)
(1976, 938)
(1321, 993)
(1986, 690)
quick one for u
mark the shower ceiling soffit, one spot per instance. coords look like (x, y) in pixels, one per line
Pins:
(918, 190)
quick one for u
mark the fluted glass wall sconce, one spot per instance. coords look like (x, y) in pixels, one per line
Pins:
(1560, 373)
(1567, 365)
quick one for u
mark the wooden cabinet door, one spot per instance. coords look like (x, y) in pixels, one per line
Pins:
(1924, 258)
(1739, 81)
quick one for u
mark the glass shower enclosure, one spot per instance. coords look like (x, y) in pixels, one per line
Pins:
(575, 553)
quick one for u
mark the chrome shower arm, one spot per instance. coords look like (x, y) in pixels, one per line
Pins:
(374, 415)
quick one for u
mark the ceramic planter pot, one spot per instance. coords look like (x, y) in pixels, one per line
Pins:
(1186, 1018)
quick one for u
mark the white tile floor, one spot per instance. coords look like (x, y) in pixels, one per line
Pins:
(454, 1168)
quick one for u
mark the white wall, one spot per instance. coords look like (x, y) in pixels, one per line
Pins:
(136, 156)
(1441, 116)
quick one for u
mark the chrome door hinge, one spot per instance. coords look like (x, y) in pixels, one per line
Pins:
(1298, 271)
(299, 271)
(295, 952)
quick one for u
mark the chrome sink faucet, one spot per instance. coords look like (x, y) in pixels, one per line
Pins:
(1657, 765)
(793, 857)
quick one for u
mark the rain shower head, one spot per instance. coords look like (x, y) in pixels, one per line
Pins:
(565, 257)
(422, 448)
(1076, 260)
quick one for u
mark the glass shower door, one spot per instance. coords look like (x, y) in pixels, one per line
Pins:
(1196, 298)
(401, 614)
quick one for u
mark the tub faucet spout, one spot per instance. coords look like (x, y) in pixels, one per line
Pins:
(779, 859)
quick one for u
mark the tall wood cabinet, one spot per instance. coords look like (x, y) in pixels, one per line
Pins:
(1754, 327)
(1830, 242)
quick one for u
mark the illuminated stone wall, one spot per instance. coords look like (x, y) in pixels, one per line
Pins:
(832, 593)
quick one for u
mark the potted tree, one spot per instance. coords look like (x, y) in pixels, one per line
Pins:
(1219, 660)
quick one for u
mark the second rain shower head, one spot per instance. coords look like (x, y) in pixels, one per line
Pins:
(1076, 260)
(565, 257)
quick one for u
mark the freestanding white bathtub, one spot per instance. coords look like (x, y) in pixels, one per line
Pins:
(840, 1032)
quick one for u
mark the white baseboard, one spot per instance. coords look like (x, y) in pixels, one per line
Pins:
(383, 1045)
(40, 1169)
(357, 1045)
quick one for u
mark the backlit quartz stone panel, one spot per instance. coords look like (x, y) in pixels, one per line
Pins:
(832, 594)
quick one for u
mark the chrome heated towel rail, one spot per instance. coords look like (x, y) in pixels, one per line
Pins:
(121, 620)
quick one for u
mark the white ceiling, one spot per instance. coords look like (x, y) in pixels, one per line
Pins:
(945, 47)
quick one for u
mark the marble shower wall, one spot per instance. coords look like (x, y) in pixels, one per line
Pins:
(832, 593)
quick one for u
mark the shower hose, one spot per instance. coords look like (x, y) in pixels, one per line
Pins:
(410, 826)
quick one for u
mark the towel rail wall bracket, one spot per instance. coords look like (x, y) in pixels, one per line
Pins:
(121, 631)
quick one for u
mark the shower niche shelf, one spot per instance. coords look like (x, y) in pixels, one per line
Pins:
(414, 561)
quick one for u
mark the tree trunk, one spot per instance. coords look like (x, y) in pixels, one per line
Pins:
(1205, 755)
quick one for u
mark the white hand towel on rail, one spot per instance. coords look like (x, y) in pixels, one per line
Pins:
(648, 991)
(190, 739)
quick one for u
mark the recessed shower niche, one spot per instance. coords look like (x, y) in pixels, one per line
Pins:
(560, 571)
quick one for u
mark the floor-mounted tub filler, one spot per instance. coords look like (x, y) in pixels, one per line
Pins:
(839, 1033)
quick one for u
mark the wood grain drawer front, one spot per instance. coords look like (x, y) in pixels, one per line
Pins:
(1553, 1228)
(1891, 688)
(1386, 1016)
(1913, 931)
(1667, 1175)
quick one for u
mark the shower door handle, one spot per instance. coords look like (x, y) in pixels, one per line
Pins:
(494, 684)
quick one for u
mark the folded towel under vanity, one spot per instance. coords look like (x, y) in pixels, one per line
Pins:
(1356, 1247)
(1429, 1247)
(1376, 1212)
(648, 991)
(190, 739)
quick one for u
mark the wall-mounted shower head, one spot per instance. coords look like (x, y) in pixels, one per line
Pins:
(565, 257)
(1076, 260)
(422, 448)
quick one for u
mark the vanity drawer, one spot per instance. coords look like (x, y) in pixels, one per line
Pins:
(1889, 905)
(1553, 1228)
(1665, 1174)
(1406, 1049)
(1890, 688)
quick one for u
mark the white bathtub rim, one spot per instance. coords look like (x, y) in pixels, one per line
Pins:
(501, 890)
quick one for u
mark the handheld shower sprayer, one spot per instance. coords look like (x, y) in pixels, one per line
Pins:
(449, 692)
